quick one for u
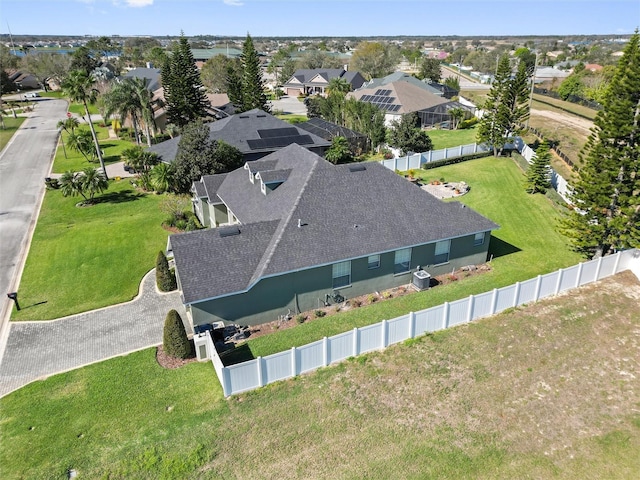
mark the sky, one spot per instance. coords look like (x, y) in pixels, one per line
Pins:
(284, 18)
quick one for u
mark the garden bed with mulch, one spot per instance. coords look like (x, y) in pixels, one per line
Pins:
(167, 361)
(363, 300)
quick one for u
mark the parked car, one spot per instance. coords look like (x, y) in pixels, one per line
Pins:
(31, 95)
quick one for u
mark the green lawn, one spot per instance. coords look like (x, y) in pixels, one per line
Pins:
(527, 244)
(292, 118)
(534, 393)
(11, 125)
(68, 159)
(90, 257)
(78, 109)
(452, 138)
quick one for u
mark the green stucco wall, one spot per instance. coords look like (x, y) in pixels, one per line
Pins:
(306, 290)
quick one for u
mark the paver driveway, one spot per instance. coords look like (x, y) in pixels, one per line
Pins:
(36, 350)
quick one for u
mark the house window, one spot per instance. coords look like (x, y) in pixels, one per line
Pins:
(373, 261)
(341, 274)
(403, 261)
(442, 252)
(478, 239)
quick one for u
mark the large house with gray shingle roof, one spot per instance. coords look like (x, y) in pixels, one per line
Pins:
(255, 133)
(315, 81)
(292, 232)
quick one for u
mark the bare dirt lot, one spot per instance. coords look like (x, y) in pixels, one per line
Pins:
(581, 124)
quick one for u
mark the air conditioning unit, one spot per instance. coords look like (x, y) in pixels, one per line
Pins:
(421, 280)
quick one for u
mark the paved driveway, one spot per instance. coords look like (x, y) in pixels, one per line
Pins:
(36, 350)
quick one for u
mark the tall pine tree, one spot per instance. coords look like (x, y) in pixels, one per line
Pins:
(491, 129)
(607, 193)
(506, 106)
(184, 94)
(538, 172)
(253, 95)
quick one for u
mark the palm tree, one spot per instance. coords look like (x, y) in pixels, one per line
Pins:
(123, 101)
(81, 142)
(140, 159)
(146, 103)
(78, 86)
(70, 184)
(93, 181)
(162, 177)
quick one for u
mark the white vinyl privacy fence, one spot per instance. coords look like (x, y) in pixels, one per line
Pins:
(416, 160)
(558, 182)
(264, 370)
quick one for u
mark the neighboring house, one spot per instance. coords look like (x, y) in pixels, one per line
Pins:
(438, 89)
(400, 97)
(358, 142)
(296, 233)
(201, 55)
(255, 133)
(315, 81)
(24, 80)
(221, 107)
(548, 74)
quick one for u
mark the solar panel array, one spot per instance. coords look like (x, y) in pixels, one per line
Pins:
(382, 100)
(277, 142)
(278, 132)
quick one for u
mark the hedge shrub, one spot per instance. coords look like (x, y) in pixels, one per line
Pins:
(174, 340)
(165, 278)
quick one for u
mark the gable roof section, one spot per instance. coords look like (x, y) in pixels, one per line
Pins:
(401, 77)
(249, 204)
(208, 262)
(323, 214)
(322, 76)
(249, 132)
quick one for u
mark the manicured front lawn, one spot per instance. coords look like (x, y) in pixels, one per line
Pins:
(11, 125)
(527, 244)
(90, 257)
(68, 159)
(534, 393)
(78, 109)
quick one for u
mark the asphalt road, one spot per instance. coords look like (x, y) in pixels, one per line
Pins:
(24, 163)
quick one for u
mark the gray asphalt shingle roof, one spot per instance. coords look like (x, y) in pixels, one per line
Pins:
(237, 130)
(321, 214)
(152, 75)
(209, 263)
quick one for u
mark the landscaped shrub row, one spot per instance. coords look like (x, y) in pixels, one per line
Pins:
(451, 161)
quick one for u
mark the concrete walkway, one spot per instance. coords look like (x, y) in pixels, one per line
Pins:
(36, 350)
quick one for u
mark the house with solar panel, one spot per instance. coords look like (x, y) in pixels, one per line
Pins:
(315, 81)
(291, 232)
(399, 94)
(255, 133)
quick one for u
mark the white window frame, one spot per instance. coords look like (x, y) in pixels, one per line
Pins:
(442, 251)
(479, 238)
(402, 261)
(341, 274)
(373, 261)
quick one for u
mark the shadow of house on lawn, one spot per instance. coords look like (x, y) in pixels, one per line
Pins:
(499, 248)
(118, 197)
